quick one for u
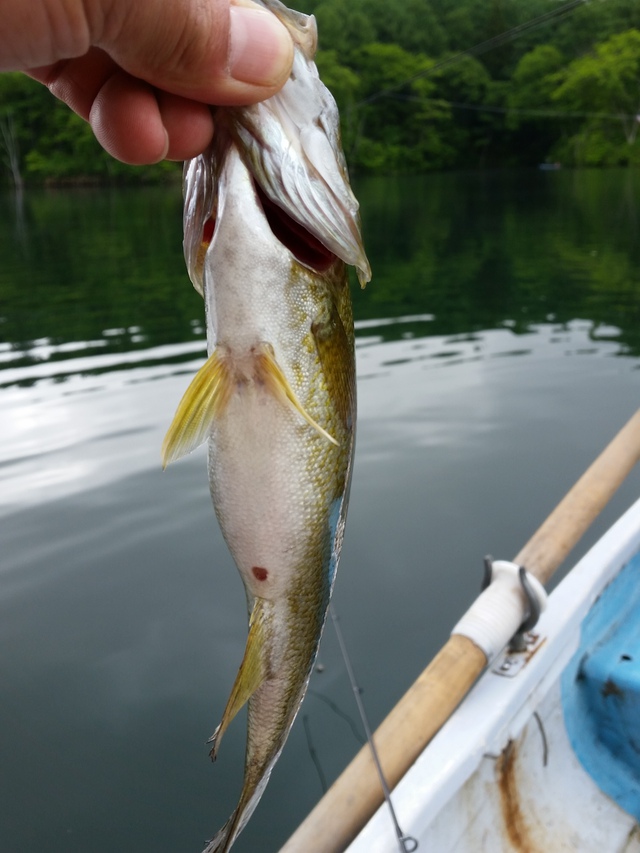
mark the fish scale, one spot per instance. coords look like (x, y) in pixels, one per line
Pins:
(270, 224)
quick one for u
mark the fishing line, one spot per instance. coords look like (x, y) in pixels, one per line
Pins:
(340, 713)
(515, 110)
(314, 755)
(480, 48)
(406, 843)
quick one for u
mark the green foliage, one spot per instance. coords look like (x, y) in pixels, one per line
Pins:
(343, 26)
(534, 78)
(604, 86)
(343, 82)
(605, 79)
(464, 85)
(55, 145)
(531, 120)
(399, 120)
(411, 24)
(421, 85)
(422, 105)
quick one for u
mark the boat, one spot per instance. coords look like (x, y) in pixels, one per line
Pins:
(543, 751)
(543, 754)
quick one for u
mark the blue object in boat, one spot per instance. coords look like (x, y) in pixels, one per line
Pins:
(601, 691)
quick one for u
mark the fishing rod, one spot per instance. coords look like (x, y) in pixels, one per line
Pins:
(517, 110)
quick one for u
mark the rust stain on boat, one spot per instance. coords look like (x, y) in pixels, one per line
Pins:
(516, 826)
(610, 688)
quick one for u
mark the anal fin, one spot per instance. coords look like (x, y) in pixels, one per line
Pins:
(251, 675)
(204, 399)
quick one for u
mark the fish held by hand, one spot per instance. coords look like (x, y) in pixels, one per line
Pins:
(270, 225)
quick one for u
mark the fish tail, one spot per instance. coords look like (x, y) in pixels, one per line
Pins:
(251, 675)
(225, 837)
(253, 678)
(251, 793)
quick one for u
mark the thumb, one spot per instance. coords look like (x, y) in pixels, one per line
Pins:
(205, 50)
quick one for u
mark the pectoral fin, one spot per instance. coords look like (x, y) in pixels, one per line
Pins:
(252, 673)
(274, 379)
(204, 399)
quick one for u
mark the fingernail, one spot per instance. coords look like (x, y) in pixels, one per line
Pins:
(261, 50)
(166, 144)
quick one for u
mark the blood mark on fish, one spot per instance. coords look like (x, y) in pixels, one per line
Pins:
(259, 573)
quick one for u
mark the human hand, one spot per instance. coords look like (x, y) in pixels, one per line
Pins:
(142, 72)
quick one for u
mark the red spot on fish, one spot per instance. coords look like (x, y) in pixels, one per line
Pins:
(207, 231)
(259, 573)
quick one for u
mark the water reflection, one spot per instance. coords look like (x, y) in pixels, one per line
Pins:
(473, 250)
(105, 412)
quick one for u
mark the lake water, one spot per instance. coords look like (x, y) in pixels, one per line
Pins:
(498, 350)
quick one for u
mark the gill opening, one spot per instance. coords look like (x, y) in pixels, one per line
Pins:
(304, 246)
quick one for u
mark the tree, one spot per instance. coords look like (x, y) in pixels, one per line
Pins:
(51, 143)
(343, 26)
(604, 87)
(399, 122)
(344, 85)
(412, 25)
(534, 128)
(465, 85)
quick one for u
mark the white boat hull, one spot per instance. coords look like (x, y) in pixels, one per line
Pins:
(502, 776)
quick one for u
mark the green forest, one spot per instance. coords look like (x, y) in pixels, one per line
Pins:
(421, 85)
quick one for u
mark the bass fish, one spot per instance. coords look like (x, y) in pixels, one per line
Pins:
(270, 225)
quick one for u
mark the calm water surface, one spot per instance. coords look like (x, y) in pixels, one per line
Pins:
(498, 351)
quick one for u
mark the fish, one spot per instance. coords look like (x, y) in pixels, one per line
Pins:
(270, 227)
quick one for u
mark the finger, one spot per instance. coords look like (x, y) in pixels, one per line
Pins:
(126, 121)
(189, 125)
(139, 125)
(125, 113)
(203, 51)
(33, 34)
(77, 81)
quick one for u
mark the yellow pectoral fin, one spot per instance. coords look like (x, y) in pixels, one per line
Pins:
(204, 399)
(274, 379)
(252, 673)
